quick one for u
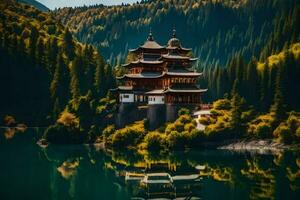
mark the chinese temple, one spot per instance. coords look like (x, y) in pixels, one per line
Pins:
(160, 75)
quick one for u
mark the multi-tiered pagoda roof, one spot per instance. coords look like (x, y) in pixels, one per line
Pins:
(160, 74)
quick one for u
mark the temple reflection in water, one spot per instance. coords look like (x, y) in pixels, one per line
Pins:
(160, 180)
(85, 172)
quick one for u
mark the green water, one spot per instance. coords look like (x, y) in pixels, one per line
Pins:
(82, 172)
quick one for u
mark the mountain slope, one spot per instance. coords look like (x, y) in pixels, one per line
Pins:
(216, 30)
(35, 4)
(42, 68)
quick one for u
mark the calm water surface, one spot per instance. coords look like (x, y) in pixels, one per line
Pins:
(81, 172)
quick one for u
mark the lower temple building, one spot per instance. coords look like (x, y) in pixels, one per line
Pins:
(158, 82)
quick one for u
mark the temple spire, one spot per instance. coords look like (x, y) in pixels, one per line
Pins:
(150, 37)
(174, 32)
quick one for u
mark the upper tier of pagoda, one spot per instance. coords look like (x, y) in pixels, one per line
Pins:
(151, 46)
(153, 55)
(175, 45)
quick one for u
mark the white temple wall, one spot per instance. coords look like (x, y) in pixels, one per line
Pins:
(126, 98)
(156, 100)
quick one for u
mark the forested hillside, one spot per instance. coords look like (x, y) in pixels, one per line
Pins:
(35, 4)
(43, 68)
(259, 82)
(216, 30)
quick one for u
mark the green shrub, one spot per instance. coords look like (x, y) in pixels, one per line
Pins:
(154, 141)
(293, 122)
(189, 127)
(108, 131)
(196, 137)
(263, 130)
(179, 126)
(129, 136)
(68, 119)
(183, 111)
(248, 115)
(60, 134)
(261, 126)
(205, 121)
(283, 133)
(170, 127)
(176, 140)
(124, 138)
(184, 119)
(222, 104)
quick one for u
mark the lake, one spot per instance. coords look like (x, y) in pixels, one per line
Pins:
(86, 172)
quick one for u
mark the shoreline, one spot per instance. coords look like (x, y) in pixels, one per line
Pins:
(257, 145)
(261, 146)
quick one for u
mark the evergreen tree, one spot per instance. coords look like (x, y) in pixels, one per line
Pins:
(59, 89)
(53, 51)
(69, 46)
(99, 78)
(40, 52)
(252, 80)
(278, 108)
(74, 73)
(264, 80)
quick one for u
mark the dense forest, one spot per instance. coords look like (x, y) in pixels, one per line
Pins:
(43, 68)
(216, 30)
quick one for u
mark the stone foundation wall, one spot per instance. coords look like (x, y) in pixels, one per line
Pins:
(129, 113)
(172, 110)
(156, 115)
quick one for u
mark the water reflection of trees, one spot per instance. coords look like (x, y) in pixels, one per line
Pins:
(10, 132)
(263, 180)
(294, 175)
(257, 176)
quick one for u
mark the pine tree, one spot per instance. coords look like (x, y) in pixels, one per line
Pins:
(264, 80)
(99, 79)
(69, 46)
(278, 108)
(58, 86)
(53, 51)
(237, 103)
(252, 80)
(34, 34)
(40, 52)
(74, 84)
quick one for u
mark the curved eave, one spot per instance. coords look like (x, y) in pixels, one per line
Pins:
(185, 90)
(146, 48)
(193, 74)
(179, 48)
(193, 59)
(122, 88)
(178, 58)
(155, 92)
(139, 76)
(132, 64)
